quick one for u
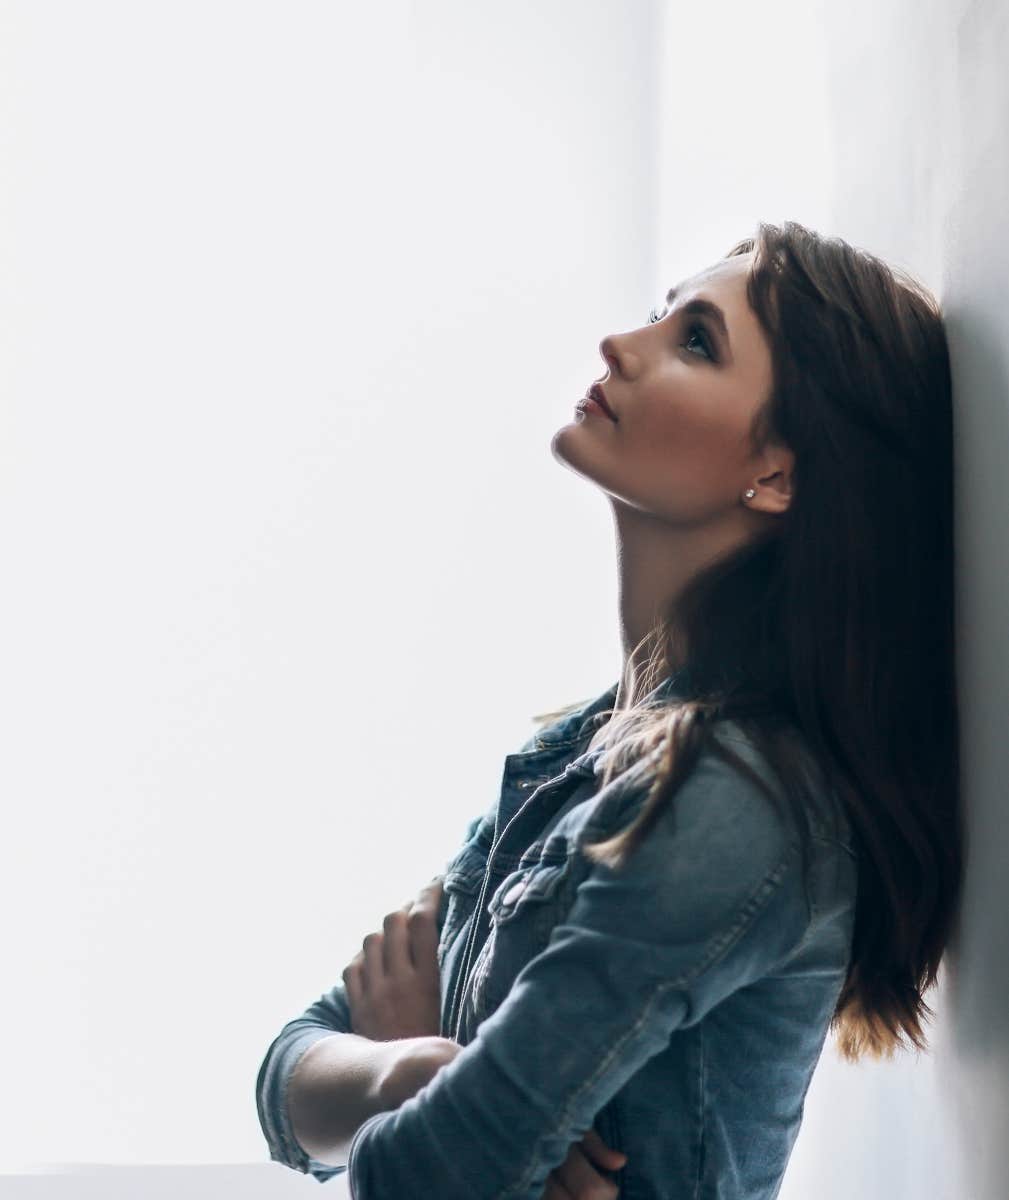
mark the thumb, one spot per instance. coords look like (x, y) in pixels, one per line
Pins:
(598, 1151)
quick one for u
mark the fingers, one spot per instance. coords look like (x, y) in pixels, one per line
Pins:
(582, 1179)
(600, 1153)
(423, 926)
(427, 900)
(429, 895)
(555, 1189)
(420, 947)
(409, 936)
(353, 983)
(393, 984)
(371, 950)
(395, 941)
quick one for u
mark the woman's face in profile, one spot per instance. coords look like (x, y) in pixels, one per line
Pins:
(684, 391)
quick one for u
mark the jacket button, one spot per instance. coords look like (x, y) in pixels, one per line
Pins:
(514, 892)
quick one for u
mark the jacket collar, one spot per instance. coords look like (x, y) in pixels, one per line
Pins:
(559, 749)
(578, 726)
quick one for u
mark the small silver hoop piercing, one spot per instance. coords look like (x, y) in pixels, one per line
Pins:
(750, 493)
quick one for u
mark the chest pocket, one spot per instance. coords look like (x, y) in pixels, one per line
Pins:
(523, 911)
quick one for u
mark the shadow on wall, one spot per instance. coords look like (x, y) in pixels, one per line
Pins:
(977, 323)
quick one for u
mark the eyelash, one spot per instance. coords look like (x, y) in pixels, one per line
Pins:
(653, 316)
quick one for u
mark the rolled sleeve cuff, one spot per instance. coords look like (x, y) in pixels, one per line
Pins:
(273, 1115)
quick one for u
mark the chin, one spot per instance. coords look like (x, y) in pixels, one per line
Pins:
(560, 442)
(565, 449)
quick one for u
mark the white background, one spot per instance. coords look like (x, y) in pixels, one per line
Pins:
(293, 297)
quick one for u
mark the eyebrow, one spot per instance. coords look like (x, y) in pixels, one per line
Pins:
(706, 308)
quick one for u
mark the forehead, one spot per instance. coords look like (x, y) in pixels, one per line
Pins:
(724, 283)
(722, 280)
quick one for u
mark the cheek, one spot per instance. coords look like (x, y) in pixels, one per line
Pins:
(687, 459)
(695, 438)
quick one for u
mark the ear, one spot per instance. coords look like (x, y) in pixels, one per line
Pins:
(774, 484)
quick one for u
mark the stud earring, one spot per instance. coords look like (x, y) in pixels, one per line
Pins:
(750, 493)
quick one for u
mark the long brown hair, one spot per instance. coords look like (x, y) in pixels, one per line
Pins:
(839, 624)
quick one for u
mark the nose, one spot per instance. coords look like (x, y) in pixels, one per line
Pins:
(608, 352)
(621, 360)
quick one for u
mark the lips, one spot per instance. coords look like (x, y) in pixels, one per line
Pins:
(597, 394)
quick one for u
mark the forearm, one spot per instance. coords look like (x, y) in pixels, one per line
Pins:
(333, 1090)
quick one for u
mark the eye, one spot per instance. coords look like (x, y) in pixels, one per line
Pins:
(694, 330)
(699, 330)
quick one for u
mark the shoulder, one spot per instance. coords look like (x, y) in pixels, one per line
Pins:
(723, 845)
(732, 803)
(730, 797)
(721, 864)
(798, 770)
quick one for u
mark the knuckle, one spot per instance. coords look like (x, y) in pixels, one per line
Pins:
(418, 918)
(393, 918)
(371, 940)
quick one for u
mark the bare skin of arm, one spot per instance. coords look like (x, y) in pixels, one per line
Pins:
(332, 1091)
(393, 991)
(343, 1080)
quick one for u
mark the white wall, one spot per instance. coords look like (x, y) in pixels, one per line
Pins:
(743, 110)
(919, 120)
(293, 298)
(909, 158)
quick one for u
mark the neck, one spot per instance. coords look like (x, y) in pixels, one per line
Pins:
(655, 561)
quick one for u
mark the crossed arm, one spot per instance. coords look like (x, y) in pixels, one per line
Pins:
(712, 901)
(392, 988)
(392, 991)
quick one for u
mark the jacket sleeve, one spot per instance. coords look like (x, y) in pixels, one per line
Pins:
(328, 1015)
(712, 900)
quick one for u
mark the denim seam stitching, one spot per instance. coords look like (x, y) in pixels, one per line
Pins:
(700, 1111)
(757, 899)
(615, 1049)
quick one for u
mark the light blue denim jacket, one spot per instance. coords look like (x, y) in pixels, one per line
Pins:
(678, 1007)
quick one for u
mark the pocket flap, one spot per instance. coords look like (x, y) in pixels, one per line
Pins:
(465, 872)
(530, 885)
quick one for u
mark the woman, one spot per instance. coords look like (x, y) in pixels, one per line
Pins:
(751, 838)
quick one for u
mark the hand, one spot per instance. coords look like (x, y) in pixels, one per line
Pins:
(411, 1065)
(577, 1179)
(393, 984)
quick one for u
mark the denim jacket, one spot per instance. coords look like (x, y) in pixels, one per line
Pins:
(679, 1006)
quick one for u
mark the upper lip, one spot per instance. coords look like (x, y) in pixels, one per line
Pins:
(596, 393)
